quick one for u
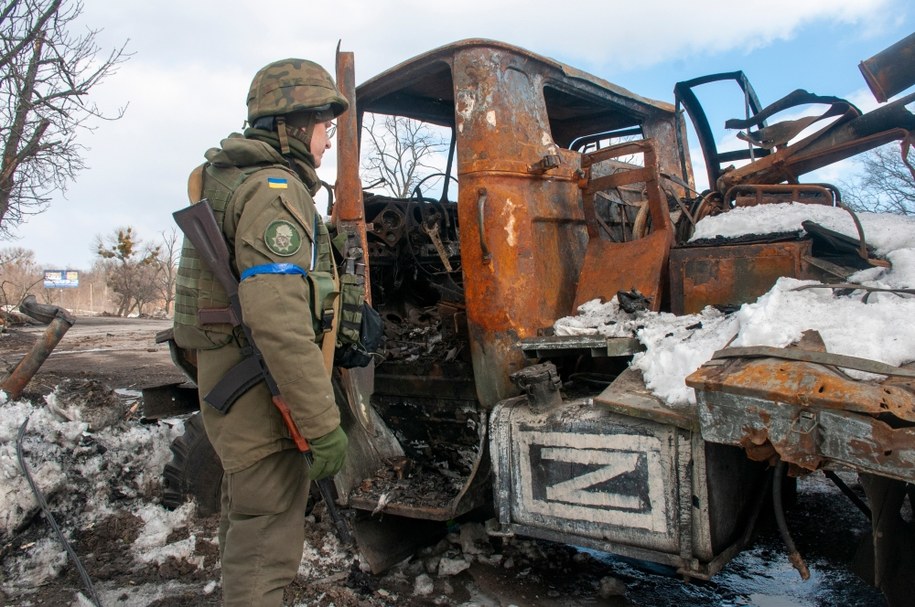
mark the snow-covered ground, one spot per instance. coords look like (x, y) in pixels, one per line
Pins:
(880, 329)
(102, 475)
(98, 473)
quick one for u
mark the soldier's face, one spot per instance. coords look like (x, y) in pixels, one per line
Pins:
(320, 140)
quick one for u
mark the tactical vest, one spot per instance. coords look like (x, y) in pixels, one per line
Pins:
(198, 293)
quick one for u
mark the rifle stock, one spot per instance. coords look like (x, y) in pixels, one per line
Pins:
(198, 223)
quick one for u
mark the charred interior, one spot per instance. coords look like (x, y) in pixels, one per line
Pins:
(424, 389)
(415, 256)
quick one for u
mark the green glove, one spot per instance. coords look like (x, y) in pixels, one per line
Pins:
(329, 451)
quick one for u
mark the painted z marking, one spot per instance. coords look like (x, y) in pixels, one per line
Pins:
(575, 491)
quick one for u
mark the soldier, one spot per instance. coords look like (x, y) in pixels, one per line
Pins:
(260, 185)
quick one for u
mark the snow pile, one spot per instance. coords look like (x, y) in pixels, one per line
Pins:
(321, 556)
(103, 485)
(675, 346)
(153, 546)
(885, 232)
(90, 479)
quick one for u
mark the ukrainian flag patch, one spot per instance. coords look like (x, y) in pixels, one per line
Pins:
(277, 183)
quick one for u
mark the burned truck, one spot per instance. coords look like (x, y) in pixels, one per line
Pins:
(560, 188)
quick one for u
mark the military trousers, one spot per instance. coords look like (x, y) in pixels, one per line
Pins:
(264, 489)
(261, 532)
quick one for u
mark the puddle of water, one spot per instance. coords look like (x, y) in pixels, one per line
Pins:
(757, 600)
(826, 527)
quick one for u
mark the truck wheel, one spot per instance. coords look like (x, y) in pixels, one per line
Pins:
(195, 470)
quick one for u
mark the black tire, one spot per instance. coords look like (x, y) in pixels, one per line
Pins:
(195, 470)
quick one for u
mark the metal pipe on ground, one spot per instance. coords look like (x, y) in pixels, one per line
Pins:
(59, 322)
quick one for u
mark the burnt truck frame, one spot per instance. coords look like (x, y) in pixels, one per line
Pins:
(571, 188)
(528, 209)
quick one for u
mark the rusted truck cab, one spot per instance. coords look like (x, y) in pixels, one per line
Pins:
(520, 122)
(565, 184)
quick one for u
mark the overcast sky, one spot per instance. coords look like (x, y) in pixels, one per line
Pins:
(192, 62)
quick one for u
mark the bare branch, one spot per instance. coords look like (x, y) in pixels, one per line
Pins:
(47, 75)
(885, 185)
(28, 36)
(399, 151)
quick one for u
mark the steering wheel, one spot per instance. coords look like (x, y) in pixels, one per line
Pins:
(417, 191)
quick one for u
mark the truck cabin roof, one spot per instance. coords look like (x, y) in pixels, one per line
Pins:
(576, 103)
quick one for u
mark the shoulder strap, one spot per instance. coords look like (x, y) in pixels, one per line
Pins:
(329, 343)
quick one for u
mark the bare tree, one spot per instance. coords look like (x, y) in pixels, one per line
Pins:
(886, 183)
(19, 275)
(46, 73)
(130, 269)
(399, 152)
(166, 263)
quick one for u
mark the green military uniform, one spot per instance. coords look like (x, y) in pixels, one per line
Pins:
(270, 219)
(281, 251)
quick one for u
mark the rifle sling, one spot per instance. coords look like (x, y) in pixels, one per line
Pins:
(329, 341)
(217, 316)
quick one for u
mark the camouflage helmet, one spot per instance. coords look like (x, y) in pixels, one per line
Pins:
(292, 85)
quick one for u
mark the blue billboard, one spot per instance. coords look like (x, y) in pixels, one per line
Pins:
(61, 279)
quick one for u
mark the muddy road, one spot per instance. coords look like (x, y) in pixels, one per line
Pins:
(462, 569)
(122, 352)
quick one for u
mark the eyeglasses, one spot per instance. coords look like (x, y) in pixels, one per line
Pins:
(330, 129)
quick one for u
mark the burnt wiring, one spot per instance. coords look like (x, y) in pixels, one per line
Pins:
(46, 512)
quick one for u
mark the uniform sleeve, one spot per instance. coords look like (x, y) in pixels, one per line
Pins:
(275, 226)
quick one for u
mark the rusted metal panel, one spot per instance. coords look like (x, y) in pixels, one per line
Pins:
(732, 275)
(348, 213)
(628, 395)
(808, 415)
(761, 427)
(639, 264)
(868, 444)
(806, 384)
(408, 86)
(515, 224)
(595, 346)
(521, 219)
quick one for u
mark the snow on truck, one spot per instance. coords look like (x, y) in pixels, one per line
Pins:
(564, 193)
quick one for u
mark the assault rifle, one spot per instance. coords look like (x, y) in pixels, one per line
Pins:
(198, 223)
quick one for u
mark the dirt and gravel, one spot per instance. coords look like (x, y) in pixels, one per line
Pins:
(99, 368)
(120, 352)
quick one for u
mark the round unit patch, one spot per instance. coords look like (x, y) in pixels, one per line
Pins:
(283, 238)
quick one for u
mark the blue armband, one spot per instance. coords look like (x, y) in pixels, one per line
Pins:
(273, 268)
